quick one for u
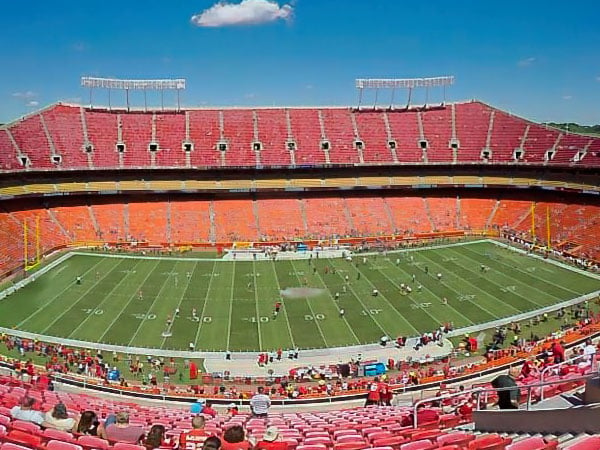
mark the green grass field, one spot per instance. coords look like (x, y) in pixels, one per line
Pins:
(234, 300)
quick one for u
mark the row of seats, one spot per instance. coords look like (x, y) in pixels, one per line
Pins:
(69, 137)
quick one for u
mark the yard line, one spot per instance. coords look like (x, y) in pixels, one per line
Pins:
(134, 295)
(365, 309)
(529, 274)
(487, 294)
(212, 275)
(103, 300)
(527, 299)
(492, 315)
(165, 283)
(287, 321)
(393, 308)
(256, 304)
(435, 296)
(310, 307)
(183, 294)
(39, 310)
(413, 301)
(231, 305)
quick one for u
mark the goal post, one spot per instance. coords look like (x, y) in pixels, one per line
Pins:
(31, 261)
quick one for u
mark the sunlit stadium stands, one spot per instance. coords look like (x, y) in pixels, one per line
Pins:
(68, 137)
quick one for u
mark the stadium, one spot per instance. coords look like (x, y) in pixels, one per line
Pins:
(155, 259)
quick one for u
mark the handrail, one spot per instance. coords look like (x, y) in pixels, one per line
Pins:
(481, 390)
(575, 359)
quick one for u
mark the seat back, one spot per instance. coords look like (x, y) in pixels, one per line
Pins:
(93, 442)
(418, 445)
(59, 435)
(60, 445)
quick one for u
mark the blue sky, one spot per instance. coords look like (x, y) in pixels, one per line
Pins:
(538, 59)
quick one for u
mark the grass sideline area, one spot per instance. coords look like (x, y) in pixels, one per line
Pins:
(234, 301)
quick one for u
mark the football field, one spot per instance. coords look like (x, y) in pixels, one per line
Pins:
(128, 300)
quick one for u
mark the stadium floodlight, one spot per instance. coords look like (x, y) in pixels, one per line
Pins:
(126, 85)
(401, 83)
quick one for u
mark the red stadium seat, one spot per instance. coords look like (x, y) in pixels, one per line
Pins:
(51, 433)
(533, 443)
(11, 446)
(589, 443)
(93, 442)
(418, 445)
(29, 427)
(23, 438)
(126, 446)
(60, 445)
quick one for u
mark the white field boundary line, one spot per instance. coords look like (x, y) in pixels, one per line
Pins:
(18, 285)
(342, 351)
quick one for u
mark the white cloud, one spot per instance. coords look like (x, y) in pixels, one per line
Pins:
(526, 62)
(24, 95)
(248, 12)
(249, 95)
(567, 97)
(33, 103)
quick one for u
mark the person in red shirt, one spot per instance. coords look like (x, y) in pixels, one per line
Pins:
(271, 441)
(234, 438)
(558, 352)
(194, 439)
(209, 410)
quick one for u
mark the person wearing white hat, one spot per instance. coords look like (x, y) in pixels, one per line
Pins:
(271, 440)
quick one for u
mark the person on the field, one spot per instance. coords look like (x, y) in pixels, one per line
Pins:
(439, 276)
(140, 295)
(342, 312)
(375, 293)
(78, 279)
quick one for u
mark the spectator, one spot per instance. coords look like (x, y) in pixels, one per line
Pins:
(197, 407)
(232, 410)
(26, 412)
(193, 439)
(235, 439)
(259, 403)
(59, 419)
(212, 443)
(508, 398)
(271, 441)
(118, 429)
(156, 438)
(209, 410)
(90, 425)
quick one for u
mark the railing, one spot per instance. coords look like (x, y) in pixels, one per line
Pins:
(575, 360)
(481, 403)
